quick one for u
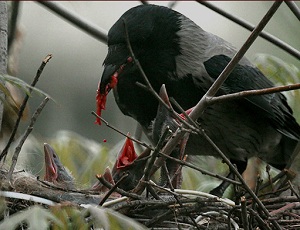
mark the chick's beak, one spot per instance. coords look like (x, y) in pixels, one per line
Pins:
(50, 165)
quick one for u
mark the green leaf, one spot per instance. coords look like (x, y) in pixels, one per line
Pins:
(36, 217)
(21, 84)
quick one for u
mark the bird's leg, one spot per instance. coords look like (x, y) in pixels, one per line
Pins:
(219, 191)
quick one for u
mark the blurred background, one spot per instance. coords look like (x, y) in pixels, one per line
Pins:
(71, 77)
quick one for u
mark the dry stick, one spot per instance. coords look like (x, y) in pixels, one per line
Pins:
(203, 171)
(176, 196)
(244, 213)
(118, 190)
(87, 26)
(293, 190)
(25, 135)
(253, 92)
(285, 208)
(262, 223)
(22, 107)
(294, 8)
(147, 174)
(120, 132)
(155, 154)
(267, 36)
(112, 189)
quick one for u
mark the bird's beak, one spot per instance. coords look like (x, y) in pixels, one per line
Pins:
(50, 165)
(108, 81)
(126, 156)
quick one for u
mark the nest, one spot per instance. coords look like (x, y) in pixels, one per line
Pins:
(161, 208)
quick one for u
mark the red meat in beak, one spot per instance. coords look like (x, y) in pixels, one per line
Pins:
(109, 81)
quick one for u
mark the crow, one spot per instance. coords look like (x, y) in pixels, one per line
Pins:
(176, 52)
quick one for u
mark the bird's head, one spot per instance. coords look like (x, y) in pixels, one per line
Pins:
(55, 172)
(151, 31)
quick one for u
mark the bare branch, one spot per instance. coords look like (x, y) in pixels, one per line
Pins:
(23, 106)
(25, 135)
(3, 52)
(87, 26)
(118, 190)
(267, 36)
(254, 92)
(122, 133)
(294, 8)
(112, 189)
(13, 22)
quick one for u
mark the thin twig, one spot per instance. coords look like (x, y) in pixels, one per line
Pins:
(87, 26)
(122, 133)
(118, 190)
(25, 135)
(267, 36)
(155, 154)
(176, 196)
(23, 105)
(3, 53)
(205, 172)
(293, 190)
(253, 92)
(13, 23)
(244, 213)
(112, 189)
(294, 8)
(148, 171)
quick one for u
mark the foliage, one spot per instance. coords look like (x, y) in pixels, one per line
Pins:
(64, 217)
(35, 217)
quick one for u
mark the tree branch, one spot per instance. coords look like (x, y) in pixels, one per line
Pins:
(267, 36)
(75, 19)
(3, 52)
(25, 135)
(23, 106)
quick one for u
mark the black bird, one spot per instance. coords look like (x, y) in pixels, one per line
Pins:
(174, 51)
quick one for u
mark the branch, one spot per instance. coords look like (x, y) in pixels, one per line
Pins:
(254, 92)
(294, 8)
(13, 22)
(23, 106)
(27, 132)
(118, 190)
(202, 104)
(203, 171)
(122, 133)
(75, 19)
(3, 52)
(267, 36)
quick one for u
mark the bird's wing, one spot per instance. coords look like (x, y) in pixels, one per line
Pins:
(274, 106)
